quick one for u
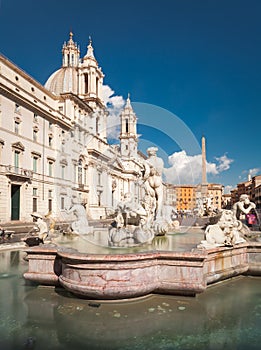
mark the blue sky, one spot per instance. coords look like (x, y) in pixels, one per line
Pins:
(198, 60)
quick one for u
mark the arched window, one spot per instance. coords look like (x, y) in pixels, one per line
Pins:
(97, 86)
(127, 125)
(86, 83)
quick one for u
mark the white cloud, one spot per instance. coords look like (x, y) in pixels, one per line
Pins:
(249, 172)
(114, 105)
(254, 171)
(224, 163)
(186, 169)
(228, 188)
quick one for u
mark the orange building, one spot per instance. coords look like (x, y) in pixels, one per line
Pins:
(215, 192)
(186, 197)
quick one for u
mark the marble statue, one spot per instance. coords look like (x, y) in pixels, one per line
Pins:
(129, 213)
(200, 210)
(137, 223)
(81, 224)
(126, 237)
(153, 186)
(40, 227)
(243, 207)
(170, 214)
(153, 168)
(205, 207)
(228, 231)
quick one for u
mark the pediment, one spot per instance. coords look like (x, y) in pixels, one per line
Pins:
(18, 145)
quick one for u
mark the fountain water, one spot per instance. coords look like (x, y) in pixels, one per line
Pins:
(51, 318)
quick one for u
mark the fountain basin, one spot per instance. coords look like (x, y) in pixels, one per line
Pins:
(120, 276)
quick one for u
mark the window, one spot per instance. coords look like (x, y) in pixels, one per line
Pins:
(35, 134)
(80, 172)
(99, 198)
(99, 178)
(35, 117)
(34, 204)
(97, 86)
(17, 108)
(16, 127)
(34, 199)
(62, 203)
(127, 125)
(85, 175)
(35, 161)
(50, 203)
(50, 168)
(50, 141)
(62, 171)
(16, 160)
(86, 85)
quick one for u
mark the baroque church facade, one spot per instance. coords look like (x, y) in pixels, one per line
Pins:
(53, 142)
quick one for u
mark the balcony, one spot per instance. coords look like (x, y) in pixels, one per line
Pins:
(82, 188)
(15, 172)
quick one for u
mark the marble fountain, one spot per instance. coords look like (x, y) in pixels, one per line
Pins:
(136, 254)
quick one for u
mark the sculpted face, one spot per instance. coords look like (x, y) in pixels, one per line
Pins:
(247, 201)
(243, 198)
(151, 151)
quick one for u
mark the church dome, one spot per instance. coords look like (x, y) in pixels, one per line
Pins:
(63, 80)
(83, 78)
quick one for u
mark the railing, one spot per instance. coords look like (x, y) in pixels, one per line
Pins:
(13, 170)
(83, 187)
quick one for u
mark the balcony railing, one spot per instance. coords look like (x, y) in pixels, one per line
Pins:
(10, 170)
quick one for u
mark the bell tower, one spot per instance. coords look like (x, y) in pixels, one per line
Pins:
(91, 78)
(71, 53)
(128, 135)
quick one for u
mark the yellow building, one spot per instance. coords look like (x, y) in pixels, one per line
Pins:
(215, 192)
(185, 197)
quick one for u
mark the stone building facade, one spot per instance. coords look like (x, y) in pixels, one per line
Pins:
(251, 187)
(215, 193)
(53, 142)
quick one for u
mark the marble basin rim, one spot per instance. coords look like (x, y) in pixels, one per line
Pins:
(129, 275)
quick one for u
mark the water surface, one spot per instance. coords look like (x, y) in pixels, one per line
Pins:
(226, 316)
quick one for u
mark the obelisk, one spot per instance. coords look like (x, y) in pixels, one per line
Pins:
(204, 184)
